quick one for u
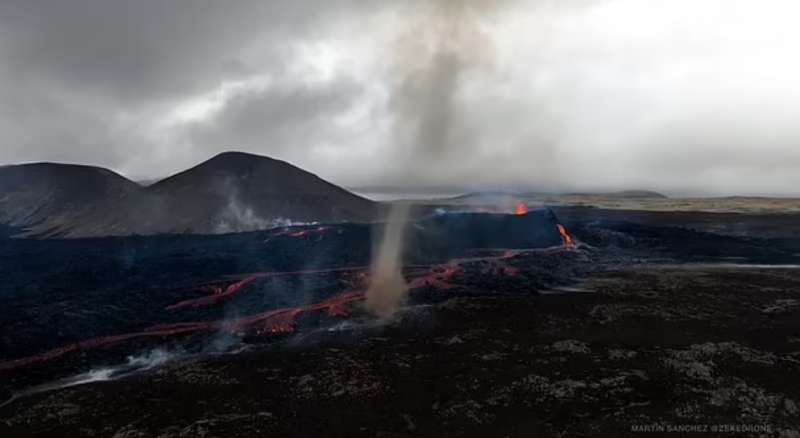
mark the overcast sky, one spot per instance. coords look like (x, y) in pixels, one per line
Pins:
(683, 96)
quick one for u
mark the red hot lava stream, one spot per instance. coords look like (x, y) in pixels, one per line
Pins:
(566, 237)
(219, 294)
(569, 241)
(283, 321)
(273, 322)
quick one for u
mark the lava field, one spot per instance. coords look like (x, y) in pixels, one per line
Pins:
(77, 304)
(508, 286)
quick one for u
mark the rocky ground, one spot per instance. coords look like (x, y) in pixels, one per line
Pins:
(641, 348)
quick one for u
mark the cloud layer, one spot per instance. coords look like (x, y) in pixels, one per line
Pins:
(689, 97)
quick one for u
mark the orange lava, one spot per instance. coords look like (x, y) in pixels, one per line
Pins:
(319, 231)
(219, 294)
(278, 321)
(522, 209)
(569, 241)
(439, 277)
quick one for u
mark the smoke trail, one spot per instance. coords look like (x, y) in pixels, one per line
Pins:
(451, 116)
(388, 288)
(431, 61)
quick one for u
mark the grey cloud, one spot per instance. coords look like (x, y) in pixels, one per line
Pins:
(286, 118)
(587, 94)
(53, 127)
(145, 49)
(80, 79)
(430, 59)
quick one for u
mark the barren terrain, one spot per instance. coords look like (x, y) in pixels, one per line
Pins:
(660, 328)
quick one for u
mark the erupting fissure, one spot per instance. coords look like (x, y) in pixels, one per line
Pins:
(219, 294)
(569, 241)
(271, 322)
(381, 287)
(278, 321)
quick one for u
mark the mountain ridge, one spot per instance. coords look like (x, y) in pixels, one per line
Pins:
(230, 192)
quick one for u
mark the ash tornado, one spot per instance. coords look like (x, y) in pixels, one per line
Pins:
(388, 289)
(431, 58)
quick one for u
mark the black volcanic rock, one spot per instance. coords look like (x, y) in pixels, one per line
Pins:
(455, 233)
(230, 192)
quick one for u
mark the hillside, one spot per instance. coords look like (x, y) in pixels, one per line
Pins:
(230, 192)
(47, 197)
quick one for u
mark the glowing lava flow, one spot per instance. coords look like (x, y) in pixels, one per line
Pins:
(277, 322)
(156, 331)
(569, 241)
(438, 277)
(319, 231)
(218, 294)
(306, 234)
(273, 322)
(522, 209)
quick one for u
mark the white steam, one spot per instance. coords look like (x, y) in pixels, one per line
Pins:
(239, 217)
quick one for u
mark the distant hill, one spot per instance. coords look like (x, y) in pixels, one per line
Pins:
(628, 194)
(499, 195)
(481, 195)
(231, 192)
(49, 197)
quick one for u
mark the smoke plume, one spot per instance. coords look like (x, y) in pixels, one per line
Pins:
(432, 60)
(388, 288)
(238, 217)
